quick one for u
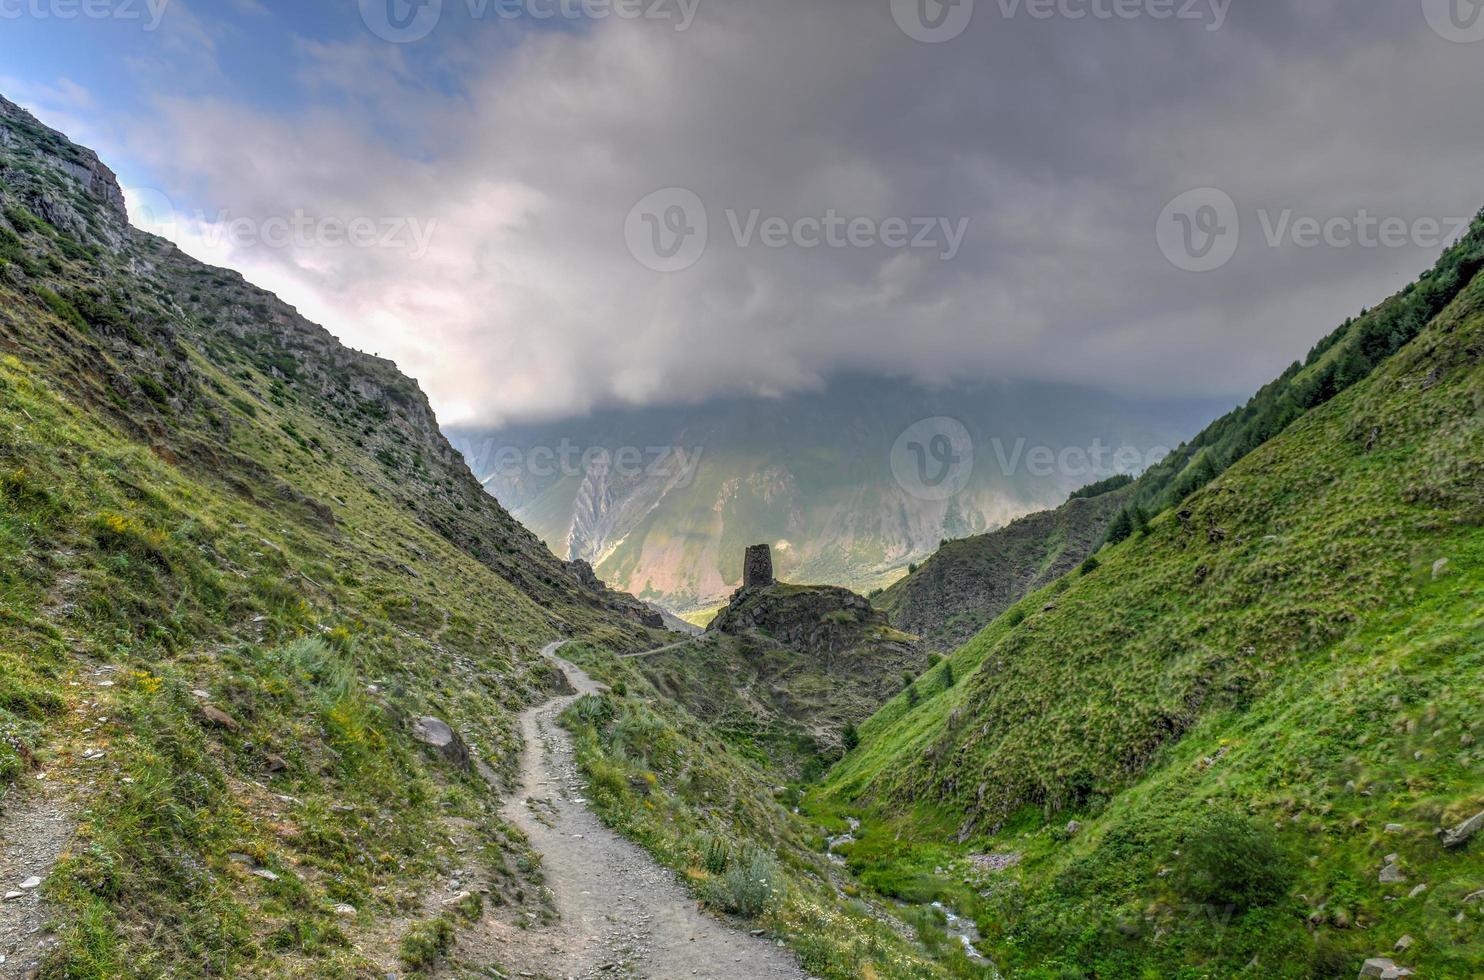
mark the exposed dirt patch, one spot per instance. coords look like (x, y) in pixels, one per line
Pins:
(36, 821)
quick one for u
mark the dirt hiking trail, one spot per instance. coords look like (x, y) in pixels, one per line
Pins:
(621, 914)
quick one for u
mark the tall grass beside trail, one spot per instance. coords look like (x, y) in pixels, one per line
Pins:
(661, 777)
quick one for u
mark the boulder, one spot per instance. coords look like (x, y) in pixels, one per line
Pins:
(437, 735)
(586, 577)
(1460, 835)
(1382, 968)
(218, 718)
(1392, 874)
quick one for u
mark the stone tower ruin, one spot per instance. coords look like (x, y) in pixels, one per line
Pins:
(757, 567)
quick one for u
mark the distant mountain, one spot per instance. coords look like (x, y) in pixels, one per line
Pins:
(849, 484)
(967, 583)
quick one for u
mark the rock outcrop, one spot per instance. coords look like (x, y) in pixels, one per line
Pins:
(1463, 833)
(821, 619)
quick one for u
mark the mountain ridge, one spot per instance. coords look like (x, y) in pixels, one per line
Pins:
(263, 638)
(966, 583)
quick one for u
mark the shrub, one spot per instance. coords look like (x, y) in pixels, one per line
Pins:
(153, 390)
(749, 887)
(1121, 529)
(850, 737)
(593, 709)
(117, 533)
(426, 943)
(718, 855)
(1231, 861)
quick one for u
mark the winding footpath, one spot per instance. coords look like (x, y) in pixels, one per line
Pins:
(621, 914)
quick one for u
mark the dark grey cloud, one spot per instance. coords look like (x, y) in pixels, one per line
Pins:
(1058, 141)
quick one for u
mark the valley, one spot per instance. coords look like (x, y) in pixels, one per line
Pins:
(662, 502)
(287, 690)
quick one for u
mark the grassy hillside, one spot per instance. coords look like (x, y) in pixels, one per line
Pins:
(966, 583)
(1340, 360)
(1246, 708)
(236, 561)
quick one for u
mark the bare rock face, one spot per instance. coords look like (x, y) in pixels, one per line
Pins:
(757, 567)
(585, 576)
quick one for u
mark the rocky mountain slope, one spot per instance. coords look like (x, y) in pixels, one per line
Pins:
(966, 583)
(244, 581)
(783, 670)
(669, 497)
(1244, 741)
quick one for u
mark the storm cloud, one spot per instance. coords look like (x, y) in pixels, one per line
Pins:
(834, 159)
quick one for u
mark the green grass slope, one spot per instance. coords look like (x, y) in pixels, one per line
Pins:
(1284, 664)
(236, 560)
(966, 583)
